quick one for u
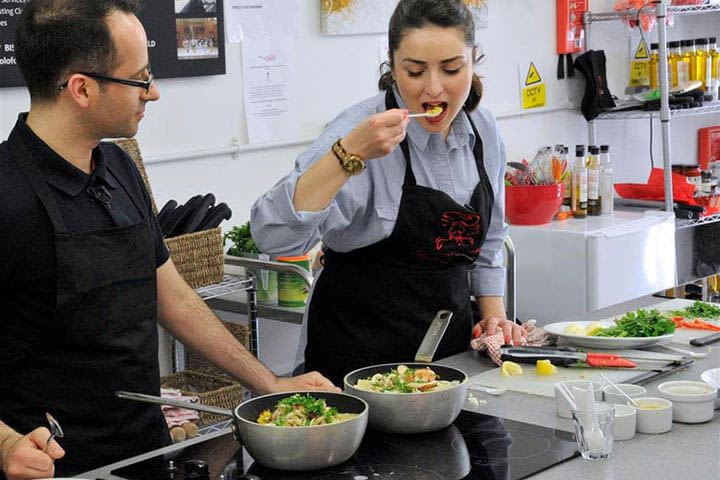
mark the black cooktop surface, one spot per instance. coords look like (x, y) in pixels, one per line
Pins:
(475, 446)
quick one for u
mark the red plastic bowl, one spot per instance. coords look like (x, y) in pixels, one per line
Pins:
(532, 204)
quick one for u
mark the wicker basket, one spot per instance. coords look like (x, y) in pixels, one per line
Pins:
(198, 256)
(210, 389)
(197, 363)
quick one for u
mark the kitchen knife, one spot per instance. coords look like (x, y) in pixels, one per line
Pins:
(215, 216)
(199, 214)
(706, 340)
(565, 358)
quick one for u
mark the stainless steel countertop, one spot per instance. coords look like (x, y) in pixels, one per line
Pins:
(687, 451)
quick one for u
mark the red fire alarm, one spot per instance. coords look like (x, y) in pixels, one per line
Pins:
(708, 146)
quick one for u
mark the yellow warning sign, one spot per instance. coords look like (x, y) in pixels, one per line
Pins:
(640, 66)
(533, 96)
(533, 76)
(642, 51)
(533, 93)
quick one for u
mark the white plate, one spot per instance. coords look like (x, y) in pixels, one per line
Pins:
(604, 342)
(711, 377)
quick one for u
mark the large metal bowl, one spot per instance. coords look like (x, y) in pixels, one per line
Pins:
(411, 412)
(301, 448)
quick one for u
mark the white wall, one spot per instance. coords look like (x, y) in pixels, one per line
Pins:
(335, 72)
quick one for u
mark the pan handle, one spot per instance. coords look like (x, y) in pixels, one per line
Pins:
(141, 397)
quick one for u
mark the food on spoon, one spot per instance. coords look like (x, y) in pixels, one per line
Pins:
(302, 411)
(544, 367)
(404, 379)
(434, 111)
(510, 369)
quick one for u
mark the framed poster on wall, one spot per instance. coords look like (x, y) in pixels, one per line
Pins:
(185, 38)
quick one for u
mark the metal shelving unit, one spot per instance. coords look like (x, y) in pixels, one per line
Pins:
(713, 107)
(677, 10)
(230, 284)
(662, 10)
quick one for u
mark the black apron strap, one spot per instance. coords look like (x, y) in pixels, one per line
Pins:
(22, 156)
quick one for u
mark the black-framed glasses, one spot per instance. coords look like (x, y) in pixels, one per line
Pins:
(144, 84)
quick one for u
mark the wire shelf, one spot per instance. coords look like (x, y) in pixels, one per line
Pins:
(230, 284)
(697, 221)
(714, 107)
(676, 10)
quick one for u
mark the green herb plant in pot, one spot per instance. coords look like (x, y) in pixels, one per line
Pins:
(243, 245)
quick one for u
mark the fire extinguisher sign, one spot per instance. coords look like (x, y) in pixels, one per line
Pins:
(532, 87)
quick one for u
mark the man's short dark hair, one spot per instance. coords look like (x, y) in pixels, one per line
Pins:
(56, 38)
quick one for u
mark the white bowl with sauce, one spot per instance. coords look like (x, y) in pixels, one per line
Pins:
(693, 402)
(655, 415)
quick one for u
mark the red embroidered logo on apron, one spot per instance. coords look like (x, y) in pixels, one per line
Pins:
(462, 228)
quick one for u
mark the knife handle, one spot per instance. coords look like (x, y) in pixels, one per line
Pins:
(706, 340)
(520, 356)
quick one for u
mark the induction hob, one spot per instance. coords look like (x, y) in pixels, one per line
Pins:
(474, 447)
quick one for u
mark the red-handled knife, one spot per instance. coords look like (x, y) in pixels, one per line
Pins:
(565, 358)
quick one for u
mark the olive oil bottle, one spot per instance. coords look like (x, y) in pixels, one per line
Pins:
(593, 181)
(579, 184)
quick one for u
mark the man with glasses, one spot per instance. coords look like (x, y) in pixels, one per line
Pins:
(84, 272)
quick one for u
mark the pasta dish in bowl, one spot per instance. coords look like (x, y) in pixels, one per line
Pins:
(404, 379)
(409, 397)
(302, 410)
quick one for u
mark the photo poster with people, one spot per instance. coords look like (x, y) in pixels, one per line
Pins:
(185, 38)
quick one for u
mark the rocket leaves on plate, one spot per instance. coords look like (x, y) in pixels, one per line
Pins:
(699, 310)
(641, 323)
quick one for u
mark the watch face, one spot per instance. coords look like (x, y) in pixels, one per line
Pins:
(354, 165)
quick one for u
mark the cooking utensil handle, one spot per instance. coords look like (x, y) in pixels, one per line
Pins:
(141, 397)
(529, 356)
(434, 334)
(702, 341)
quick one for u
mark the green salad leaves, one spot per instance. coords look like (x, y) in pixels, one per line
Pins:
(639, 324)
(698, 309)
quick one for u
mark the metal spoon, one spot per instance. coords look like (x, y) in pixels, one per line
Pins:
(488, 390)
(635, 404)
(56, 430)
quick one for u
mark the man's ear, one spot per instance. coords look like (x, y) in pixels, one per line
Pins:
(81, 89)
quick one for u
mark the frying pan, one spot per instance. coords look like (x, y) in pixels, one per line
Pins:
(287, 448)
(414, 412)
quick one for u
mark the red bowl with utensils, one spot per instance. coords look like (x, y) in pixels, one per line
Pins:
(532, 204)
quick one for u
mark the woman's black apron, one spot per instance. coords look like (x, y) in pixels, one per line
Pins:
(102, 338)
(374, 304)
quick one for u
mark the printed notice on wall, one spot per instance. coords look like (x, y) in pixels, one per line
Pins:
(271, 106)
(10, 11)
(185, 38)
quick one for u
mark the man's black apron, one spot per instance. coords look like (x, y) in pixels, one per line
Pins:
(102, 338)
(374, 304)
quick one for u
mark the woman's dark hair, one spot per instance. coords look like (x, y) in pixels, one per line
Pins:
(56, 38)
(443, 13)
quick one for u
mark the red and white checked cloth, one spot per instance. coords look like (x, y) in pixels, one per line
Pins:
(176, 416)
(491, 344)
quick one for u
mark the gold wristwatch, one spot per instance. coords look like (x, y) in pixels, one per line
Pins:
(350, 163)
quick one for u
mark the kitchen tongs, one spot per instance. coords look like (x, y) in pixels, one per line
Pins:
(564, 357)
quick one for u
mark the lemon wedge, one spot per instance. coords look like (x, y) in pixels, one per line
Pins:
(593, 329)
(544, 367)
(510, 369)
(574, 329)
